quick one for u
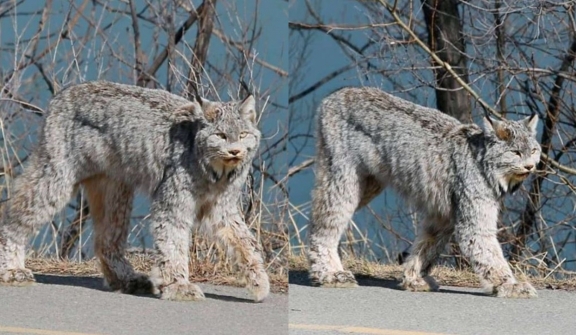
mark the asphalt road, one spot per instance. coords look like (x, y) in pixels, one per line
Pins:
(377, 307)
(80, 306)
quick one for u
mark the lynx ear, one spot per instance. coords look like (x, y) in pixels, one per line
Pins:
(531, 123)
(247, 109)
(207, 108)
(211, 110)
(497, 127)
(191, 109)
(200, 108)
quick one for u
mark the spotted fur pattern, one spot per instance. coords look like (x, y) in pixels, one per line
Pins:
(454, 174)
(191, 157)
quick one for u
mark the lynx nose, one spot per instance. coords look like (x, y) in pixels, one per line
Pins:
(234, 152)
(529, 167)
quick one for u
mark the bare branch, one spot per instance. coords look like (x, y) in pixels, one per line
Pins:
(200, 51)
(137, 52)
(151, 71)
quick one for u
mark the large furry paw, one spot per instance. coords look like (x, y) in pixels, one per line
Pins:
(16, 277)
(420, 284)
(182, 292)
(339, 279)
(258, 284)
(136, 284)
(515, 290)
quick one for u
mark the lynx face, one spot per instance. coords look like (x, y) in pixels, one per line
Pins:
(230, 138)
(515, 149)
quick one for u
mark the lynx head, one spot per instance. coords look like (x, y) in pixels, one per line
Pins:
(513, 150)
(228, 140)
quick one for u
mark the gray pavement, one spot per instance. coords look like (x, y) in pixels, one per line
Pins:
(80, 306)
(377, 307)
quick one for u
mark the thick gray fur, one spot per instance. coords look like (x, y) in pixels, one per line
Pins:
(191, 157)
(454, 174)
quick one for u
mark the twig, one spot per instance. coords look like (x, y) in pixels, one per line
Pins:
(137, 51)
(26, 105)
(150, 72)
(300, 167)
(200, 51)
(240, 47)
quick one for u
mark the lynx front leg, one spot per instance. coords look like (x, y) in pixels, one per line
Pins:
(429, 243)
(335, 198)
(478, 241)
(40, 192)
(110, 207)
(242, 247)
(172, 212)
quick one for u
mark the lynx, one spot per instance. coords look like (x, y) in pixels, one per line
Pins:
(191, 157)
(454, 174)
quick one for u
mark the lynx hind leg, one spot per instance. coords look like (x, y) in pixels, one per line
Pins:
(429, 243)
(235, 237)
(335, 198)
(110, 207)
(39, 193)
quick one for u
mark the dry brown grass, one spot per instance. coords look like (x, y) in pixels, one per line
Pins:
(200, 272)
(444, 275)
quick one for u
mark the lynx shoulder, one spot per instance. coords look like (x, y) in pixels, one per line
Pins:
(454, 173)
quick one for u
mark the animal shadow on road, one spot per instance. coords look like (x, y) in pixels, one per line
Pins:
(228, 298)
(364, 280)
(86, 282)
(300, 277)
(96, 283)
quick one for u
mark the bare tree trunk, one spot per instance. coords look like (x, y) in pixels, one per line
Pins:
(500, 50)
(137, 49)
(528, 220)
(445, 39)
(205, 26)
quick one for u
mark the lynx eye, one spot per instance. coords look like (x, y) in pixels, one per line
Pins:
(534, 151)
(517, 153)
(243, 134)
(221, 135)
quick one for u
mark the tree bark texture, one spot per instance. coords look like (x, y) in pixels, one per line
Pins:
(200, 51)
(445, 38)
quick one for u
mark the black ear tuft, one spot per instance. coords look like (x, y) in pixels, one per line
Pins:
(531, 123)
